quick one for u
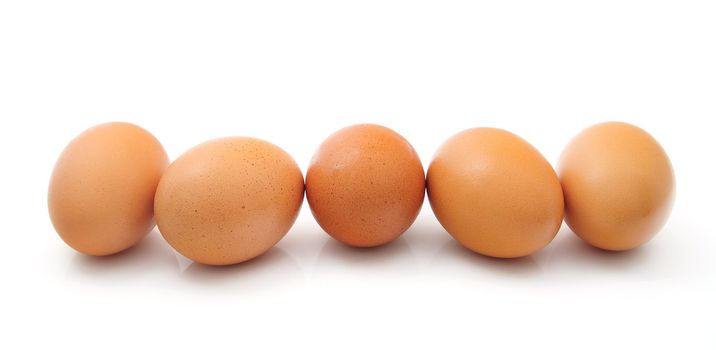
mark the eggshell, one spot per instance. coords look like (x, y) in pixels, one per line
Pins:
(228, 200)
(495, 193)
(618, 185)
(365, 185)
(102, 188)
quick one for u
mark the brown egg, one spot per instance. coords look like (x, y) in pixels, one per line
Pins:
(618, 186)
(228, 200)
(365, 185)
(102, 188)
(495, 193)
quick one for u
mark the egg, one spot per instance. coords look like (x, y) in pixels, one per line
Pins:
(228, 200)
(101, 191)
(365, 185)
(618, 186)
(495, 193)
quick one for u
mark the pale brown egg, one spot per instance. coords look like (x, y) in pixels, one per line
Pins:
(495, 193)
(228, 200)
(101, 193)
(365, 185)
(618, 185)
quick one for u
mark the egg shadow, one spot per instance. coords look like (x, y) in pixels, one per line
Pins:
(340, 268)
(273, 269)
(571, 252)
(426, 239)
(455, 258)
(150, 255)
(396, 253)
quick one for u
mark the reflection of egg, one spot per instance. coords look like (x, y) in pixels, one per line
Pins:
(228, 200)
(102, 188)
(365, 185)
(618, 185)
(495, 193)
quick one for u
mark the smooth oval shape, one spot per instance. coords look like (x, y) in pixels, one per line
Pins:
(101, 192)
(365, 185)
(495, 193)
(618, 185)
(228, 200)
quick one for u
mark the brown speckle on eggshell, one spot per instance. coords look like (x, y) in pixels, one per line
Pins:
(228, 200)
(365, 185)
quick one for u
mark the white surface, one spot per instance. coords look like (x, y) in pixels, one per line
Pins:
(292, 72)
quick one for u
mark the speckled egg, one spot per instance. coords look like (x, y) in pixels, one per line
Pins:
(101, 191)
(495, 193)
(365, 185)
(228, 200)
(618, 186)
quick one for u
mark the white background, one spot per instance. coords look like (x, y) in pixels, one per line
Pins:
(292, 72)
